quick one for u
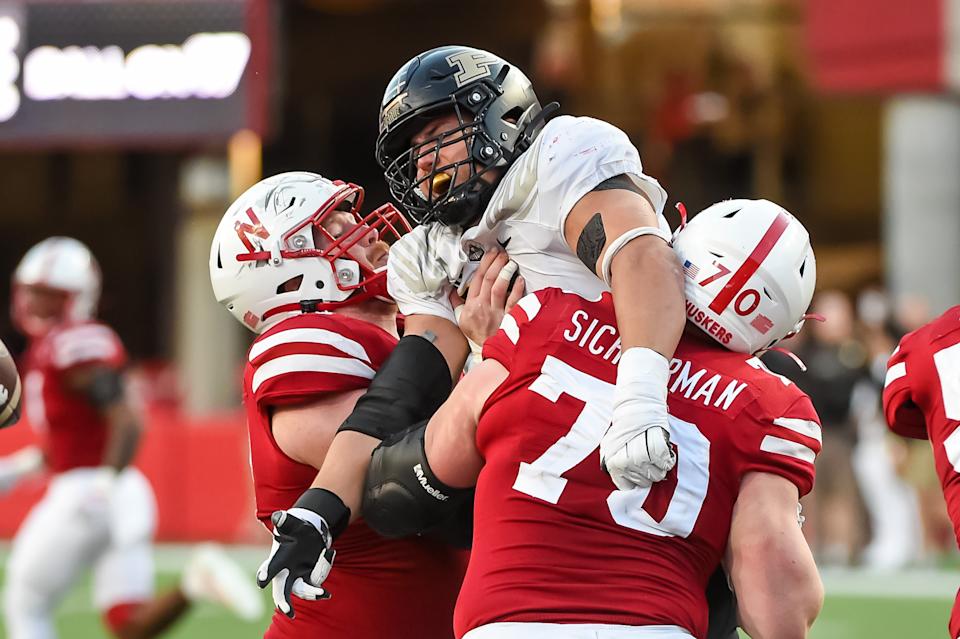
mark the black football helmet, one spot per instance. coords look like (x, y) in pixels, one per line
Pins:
(498, 115)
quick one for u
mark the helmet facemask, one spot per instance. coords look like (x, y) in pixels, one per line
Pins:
(358, 280)
(462, 198)
(497, 115)
(297, 242)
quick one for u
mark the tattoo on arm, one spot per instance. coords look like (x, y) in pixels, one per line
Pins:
(591, 242)
(621, 181)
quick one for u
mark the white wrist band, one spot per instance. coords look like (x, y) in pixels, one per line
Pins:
(621, 241)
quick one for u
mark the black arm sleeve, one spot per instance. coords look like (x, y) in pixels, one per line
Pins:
(402, 496)
(409, 387)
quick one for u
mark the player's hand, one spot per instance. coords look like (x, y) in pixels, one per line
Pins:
(636, 449)
(640, 461)
(489, 297)
(300, 558)
(15, 467)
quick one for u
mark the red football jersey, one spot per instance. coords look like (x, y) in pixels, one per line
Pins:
(921, 399)
(554, 540)
(396, 588)
(72, 431)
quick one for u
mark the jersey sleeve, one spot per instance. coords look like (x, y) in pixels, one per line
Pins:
(87, 345)
(581, 154)
(502, 344)
(903, 415)
(296, 364)
(420, 271)
(784, 444)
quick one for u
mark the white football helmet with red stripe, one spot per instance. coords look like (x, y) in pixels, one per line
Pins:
(273, 258)
(749, 273)
(60, 264)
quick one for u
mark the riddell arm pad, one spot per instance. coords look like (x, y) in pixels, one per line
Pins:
(402, 496)
(409, 387)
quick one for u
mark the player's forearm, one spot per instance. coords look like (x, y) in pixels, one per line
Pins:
(124, 438)
(450, 446)
(345, 467)
(445, 336)
(779, 592)
(781, 612)
(648, 297)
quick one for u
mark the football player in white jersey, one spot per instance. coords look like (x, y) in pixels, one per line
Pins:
(469, 155)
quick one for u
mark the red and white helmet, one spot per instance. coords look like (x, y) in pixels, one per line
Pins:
(749, 273)
(268, 237)
(61, 264)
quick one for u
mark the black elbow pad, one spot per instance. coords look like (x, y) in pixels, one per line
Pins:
(402, 496)
(409, 387)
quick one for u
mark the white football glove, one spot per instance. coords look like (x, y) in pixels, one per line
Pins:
(636, 449)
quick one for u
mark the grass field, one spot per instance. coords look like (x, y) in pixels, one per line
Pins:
(909, 605)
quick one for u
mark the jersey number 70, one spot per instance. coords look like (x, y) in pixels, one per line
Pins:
(543, 477)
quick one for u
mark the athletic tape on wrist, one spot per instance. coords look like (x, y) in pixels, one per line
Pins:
(640, 397)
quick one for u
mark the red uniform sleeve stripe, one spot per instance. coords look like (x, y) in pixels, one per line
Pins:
(750, 266)
(805, 427)
(309, 336)
(309, 364)
(94, 349)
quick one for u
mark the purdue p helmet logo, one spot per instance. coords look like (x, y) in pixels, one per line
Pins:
(470, 65)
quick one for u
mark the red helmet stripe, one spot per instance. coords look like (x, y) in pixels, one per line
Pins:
(750, 265)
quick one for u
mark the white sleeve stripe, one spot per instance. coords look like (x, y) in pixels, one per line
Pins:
(778, 446)
(805, 427)
(530, 305)
(309, 364)
(510, 328)
(75, 353)
(309, 336)
(894, 373)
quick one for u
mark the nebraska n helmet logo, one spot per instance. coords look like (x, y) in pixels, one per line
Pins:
(244, 230)
(471, 65)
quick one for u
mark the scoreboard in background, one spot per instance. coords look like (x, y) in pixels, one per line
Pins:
(132, 73)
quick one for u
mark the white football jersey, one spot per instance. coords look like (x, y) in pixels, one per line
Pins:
(570, 157)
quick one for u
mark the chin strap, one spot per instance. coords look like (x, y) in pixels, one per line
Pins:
(530, 130)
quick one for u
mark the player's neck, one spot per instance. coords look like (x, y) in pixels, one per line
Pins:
(375, 312)
(693, 332)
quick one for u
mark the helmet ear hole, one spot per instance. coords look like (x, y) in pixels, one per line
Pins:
(802, 267)
(293, 284)
(513, 115)
(219, 260)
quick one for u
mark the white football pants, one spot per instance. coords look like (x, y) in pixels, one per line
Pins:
(69, 531)
(516, 630)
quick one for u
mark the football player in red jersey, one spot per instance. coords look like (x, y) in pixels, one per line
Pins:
(295, 262)
(468, 152)
(558, 549)
(921, 399)
(98, 511)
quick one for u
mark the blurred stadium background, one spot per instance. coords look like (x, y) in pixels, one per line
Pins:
(131, 124)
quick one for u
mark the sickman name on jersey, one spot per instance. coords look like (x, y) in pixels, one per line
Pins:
(697, 385)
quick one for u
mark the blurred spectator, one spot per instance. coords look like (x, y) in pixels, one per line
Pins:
(835, 361)
(894, 517)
